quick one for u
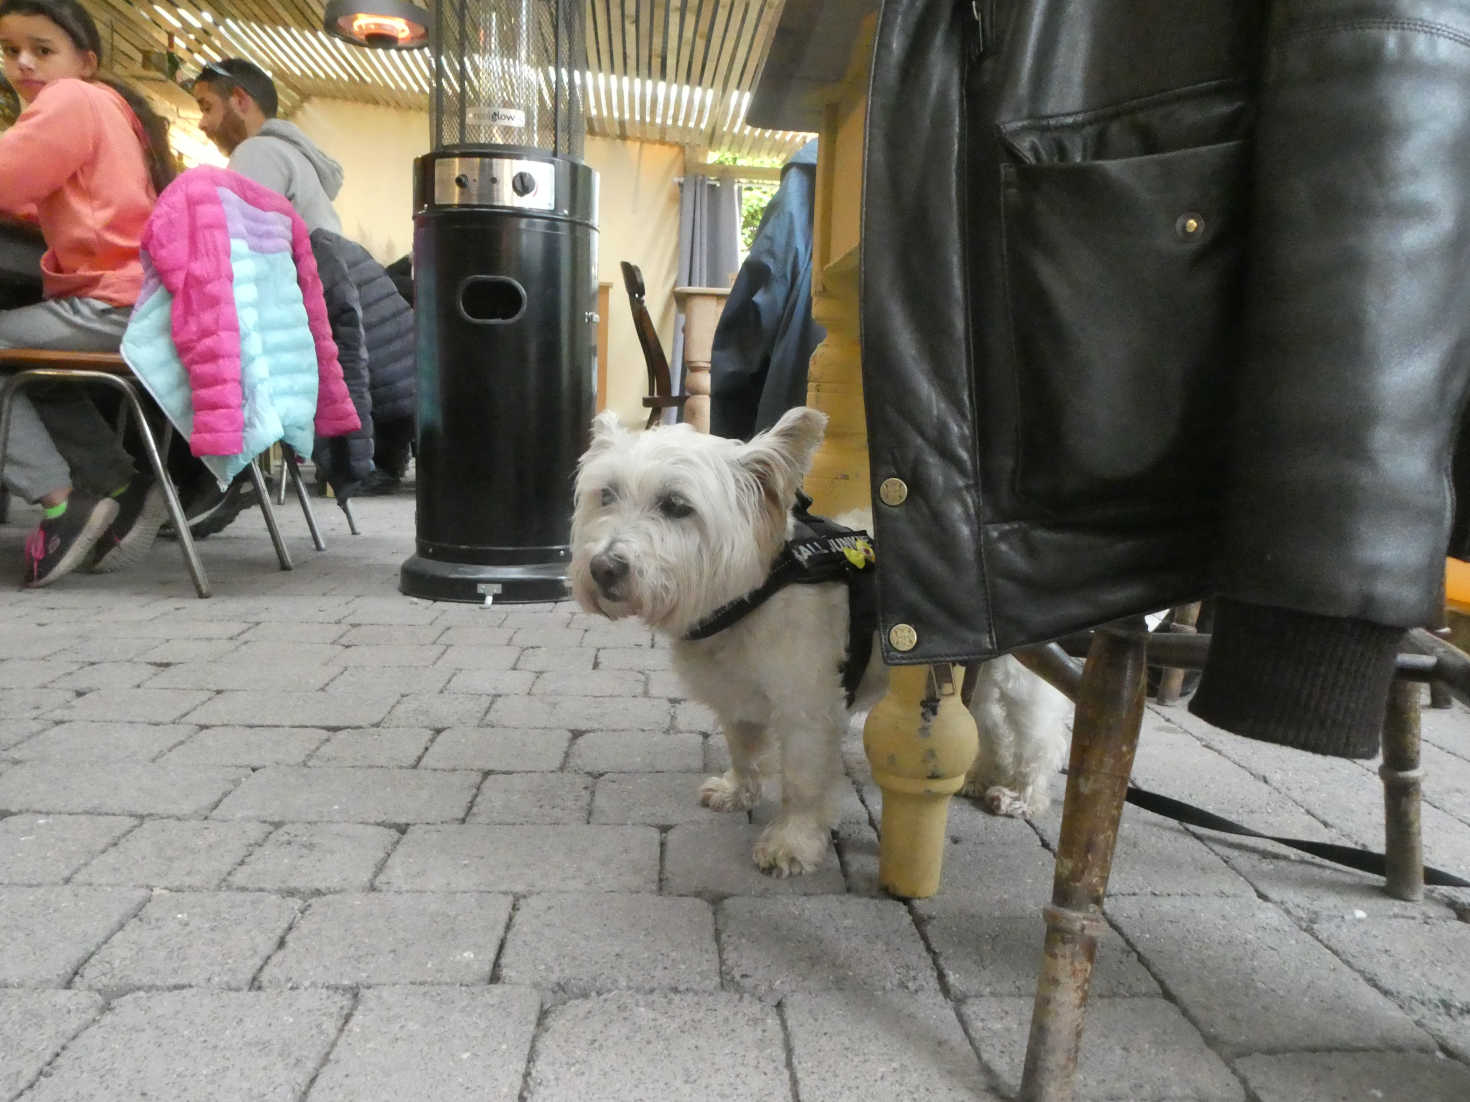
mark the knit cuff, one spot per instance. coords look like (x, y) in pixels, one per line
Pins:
(1317, 683)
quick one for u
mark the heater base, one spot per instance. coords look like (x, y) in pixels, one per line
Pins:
(473, 583)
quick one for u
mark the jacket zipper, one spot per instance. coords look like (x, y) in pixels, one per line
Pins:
(983, 12)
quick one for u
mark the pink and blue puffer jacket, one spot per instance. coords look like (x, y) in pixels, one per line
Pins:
(230, 333)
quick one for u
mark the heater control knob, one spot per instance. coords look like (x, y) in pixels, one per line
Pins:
(523, 183)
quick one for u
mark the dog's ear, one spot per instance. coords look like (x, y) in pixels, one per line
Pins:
(606, 431)
(779, 458)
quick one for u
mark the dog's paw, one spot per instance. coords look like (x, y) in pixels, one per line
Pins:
(727, 794)
(999, 800)
(790, 847)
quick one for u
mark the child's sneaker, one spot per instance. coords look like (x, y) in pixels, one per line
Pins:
(61, 544)
(141, 509)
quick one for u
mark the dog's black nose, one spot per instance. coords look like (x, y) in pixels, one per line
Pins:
(608, 569)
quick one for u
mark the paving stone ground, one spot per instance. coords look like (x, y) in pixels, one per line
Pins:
(314, 840)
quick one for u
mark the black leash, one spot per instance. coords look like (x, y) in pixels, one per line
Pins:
(1364, 860)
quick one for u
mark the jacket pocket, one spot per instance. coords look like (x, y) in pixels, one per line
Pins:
(1123, 248)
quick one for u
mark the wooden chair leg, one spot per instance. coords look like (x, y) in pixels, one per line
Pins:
(1439, 693)
(1171, 679)
(1104, 737)
(1403, 842)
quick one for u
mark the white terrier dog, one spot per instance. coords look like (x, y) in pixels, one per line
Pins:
(671, 525)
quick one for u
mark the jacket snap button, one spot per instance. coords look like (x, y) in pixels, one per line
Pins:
(1190, 226)
(903, 637)
(893, 491)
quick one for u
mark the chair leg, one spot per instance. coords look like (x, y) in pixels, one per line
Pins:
(7, 389)
(1171, 679)
(292, 469)
(346, 506)
(192, 562)
(1403, 841)
(263, 493)
(1104, 738)
(278, 457)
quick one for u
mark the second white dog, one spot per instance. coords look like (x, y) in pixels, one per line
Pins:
(670, 526)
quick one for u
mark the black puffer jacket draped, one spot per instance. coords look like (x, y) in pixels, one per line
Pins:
(1165, 299)
(387, 321)
(344, 461)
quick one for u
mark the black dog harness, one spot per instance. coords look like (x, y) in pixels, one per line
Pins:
(818, 551)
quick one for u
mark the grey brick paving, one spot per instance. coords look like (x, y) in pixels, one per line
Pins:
(479, 657)
(717, 1047)
(282, 674)
(48, 932)
(174, 853)
(356, 939)
(437, 709)
(1347, 1076)
(191, 939)
(713, 859)
(773, 947)
(13, 731)
(138, 705)
(381, 746)
(266, 707)
(199, 1046)
(247, 746)
(1424, 966)
(105, 675)
(345, 795)
(24, 703)
(448, 1044)
(632, 658)
(417, 835)
(512, 798)
(502, 749)
(524, 859)
(491, 682)
(46, 849)
(116, 788)
(996, 955)
(846, 1046)
(556, 659)
(1278, 979)
(404, 679)
(638, 752)
(580, 713)
(580, 944)
(661, 798)
(92, 741)
(1142, 1050)
(34, 1025)
(316, 857)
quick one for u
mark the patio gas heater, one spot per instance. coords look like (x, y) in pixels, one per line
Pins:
(505, 281)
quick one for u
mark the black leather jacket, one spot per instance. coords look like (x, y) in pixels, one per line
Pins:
(1162, 299)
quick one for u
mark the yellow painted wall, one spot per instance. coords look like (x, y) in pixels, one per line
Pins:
(638, 217)
(376, 146)
(638, 222)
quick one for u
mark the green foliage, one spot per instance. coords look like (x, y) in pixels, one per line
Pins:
(754, 198)
(755, 195)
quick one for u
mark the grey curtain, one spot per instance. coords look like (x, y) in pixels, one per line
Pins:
(709, 249)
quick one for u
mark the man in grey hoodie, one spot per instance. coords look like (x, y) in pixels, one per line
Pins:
(237, 105)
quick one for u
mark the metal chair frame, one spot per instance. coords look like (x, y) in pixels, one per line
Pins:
(35, 365)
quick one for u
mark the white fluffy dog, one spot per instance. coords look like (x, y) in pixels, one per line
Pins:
(669, 526)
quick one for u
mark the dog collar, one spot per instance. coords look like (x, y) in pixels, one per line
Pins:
(818, 551)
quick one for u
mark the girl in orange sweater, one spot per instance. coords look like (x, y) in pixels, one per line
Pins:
(86, 159)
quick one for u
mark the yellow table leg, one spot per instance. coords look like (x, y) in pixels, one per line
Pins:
(920, 740)
(838, 480)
